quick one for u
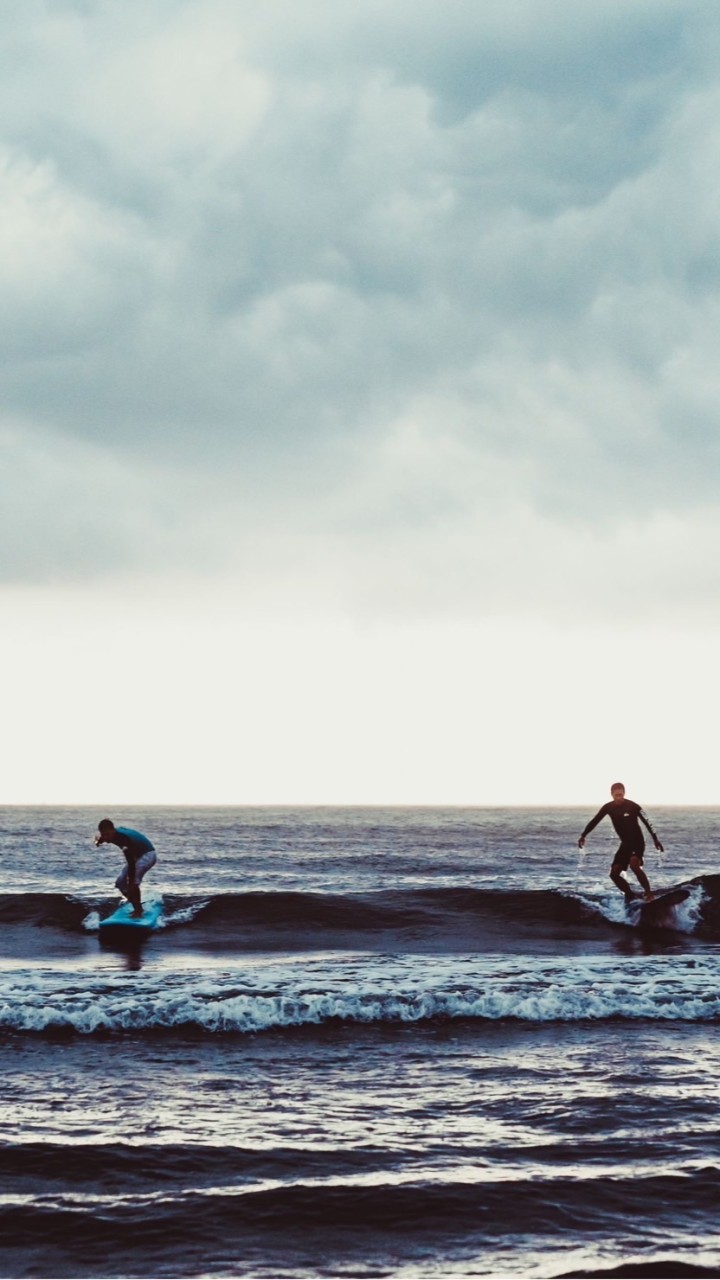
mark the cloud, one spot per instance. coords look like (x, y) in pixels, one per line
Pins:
(415, 303)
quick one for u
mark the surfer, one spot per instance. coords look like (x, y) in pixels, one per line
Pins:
(625, 816)
(140, 856)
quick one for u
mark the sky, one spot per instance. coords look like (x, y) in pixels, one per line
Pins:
(359, 427)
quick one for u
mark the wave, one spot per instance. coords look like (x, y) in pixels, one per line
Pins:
(387, 991)
(114, 1166)
(462, 918)
(137, 1168)
(660, 1267)
(381, 1225)
(403, 1205)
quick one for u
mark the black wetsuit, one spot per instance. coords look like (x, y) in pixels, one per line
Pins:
(624, 818)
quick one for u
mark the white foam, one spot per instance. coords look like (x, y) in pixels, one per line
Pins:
(363, 990)
(184, 915)
(688, 913)
(683, 917)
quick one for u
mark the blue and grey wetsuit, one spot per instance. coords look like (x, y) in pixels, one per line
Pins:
(140, 856)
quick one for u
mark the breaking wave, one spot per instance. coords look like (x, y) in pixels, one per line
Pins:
(462, 918)
(399, 990)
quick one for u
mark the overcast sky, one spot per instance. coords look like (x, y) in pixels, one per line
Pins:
(359, 430)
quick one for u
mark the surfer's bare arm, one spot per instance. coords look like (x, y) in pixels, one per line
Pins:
(644, 818)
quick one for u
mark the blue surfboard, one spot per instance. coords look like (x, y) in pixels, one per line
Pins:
(124, 920)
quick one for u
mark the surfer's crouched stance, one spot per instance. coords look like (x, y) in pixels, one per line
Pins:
(140, 856)
(624, 815)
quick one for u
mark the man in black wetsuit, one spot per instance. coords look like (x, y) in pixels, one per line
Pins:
(624, 815)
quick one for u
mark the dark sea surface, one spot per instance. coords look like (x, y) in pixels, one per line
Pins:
(366, 1042)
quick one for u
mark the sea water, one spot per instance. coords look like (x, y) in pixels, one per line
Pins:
(365, 1042)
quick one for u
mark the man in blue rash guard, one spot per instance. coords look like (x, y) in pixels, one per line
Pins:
(140, 856)
(624, 815)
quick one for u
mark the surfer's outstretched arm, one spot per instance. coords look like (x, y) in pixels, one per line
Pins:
(644, 818)
(601, 813)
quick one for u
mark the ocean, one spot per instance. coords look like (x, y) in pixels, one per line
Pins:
(365, 1042)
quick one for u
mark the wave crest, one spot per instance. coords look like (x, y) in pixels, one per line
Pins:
(594, 990)
(462, 917)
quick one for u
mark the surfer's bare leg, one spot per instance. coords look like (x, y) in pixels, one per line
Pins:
(132, 893)
(637, 867)
(618, 879)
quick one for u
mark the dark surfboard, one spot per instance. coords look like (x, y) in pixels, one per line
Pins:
(656, 912)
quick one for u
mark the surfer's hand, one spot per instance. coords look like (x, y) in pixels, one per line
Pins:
(581, 842)
(659, 847)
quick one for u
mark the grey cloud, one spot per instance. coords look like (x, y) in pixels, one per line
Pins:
(248, 246)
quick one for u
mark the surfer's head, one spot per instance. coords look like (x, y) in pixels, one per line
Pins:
(106, 833)
(617, 791)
